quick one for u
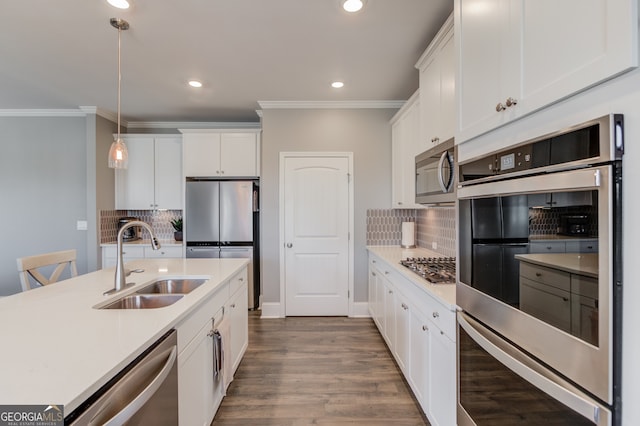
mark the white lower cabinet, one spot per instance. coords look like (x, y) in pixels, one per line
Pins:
(237, 308)
(420, 332)
(200, 393)
(133, 252)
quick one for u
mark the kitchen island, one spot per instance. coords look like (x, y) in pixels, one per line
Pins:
(59, 349)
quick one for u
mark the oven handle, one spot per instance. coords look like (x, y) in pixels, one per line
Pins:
(573, 180)
(530, 370)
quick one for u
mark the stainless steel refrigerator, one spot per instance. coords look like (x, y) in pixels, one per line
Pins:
(221, 221)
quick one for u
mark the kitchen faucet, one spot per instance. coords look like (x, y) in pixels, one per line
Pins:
(121, 272)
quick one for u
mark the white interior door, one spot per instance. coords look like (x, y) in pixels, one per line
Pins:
(316, 222)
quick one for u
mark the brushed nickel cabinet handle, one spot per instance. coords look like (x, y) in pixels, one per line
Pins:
(500, 107)
(425, 328)
(436, 314)
(511, 101)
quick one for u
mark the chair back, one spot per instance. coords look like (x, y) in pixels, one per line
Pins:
(29, 267)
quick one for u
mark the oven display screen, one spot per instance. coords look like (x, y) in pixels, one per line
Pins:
(507, 161)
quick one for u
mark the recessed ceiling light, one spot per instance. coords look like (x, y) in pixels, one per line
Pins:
(120, 4)
(337, 84)
(195, 83)
(352, 5)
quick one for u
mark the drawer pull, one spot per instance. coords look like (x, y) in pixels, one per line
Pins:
(390, 292)
(386, 272)
(233, 306)
(436, 314)
(373, 261)
(240, 279)
(425, 328)
(538, 274)
(373, 273)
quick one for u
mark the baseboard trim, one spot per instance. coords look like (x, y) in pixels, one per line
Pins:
(271, 310)
(360, 310)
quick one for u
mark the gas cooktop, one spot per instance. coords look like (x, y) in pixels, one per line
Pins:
(436, 270)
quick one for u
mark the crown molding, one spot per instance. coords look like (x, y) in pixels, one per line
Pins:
(329, 104)
(259, 113)
(42, 113)
(192, 125)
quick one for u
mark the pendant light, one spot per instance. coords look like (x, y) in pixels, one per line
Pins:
(118, 155)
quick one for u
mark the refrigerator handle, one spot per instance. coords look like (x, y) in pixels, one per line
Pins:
(255, 201)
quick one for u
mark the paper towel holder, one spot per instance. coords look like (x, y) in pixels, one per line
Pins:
(408, 235)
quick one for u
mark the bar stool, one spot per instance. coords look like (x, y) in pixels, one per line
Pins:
(28, 267)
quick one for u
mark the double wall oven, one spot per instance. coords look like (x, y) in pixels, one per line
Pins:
(540, 280)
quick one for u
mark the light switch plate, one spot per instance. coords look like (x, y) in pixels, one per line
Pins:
(81, 225)
(434, 245)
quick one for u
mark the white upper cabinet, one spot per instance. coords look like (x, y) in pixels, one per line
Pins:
(153, 179)
(515, 57)
(437, 89)
(221, 153)
(405, 145)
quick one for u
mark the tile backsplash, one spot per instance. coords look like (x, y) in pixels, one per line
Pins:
(384, 227)
(160, 221)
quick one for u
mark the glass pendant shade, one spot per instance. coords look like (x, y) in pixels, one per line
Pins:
(118, 154)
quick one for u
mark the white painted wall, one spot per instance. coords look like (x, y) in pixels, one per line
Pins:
(366, 133)
(621, 95)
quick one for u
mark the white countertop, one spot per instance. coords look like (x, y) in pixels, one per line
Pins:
(575, 263)
(445, 293)
(58, 349)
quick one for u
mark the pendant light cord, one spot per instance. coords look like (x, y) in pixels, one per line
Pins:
(119, 81)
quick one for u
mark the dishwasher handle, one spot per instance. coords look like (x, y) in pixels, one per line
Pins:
(139, 400)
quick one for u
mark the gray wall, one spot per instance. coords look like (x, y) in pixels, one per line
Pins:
(51, 176)
(366, 133)
(43, 190)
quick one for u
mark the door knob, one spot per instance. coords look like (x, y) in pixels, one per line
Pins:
(289, 245)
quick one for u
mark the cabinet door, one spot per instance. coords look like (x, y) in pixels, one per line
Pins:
(430, 103)
(447, 61)
(239, 328)
(488, 35)
(135, 185)
(419, 376)
(403, 333)
(437, 95)
(168, 173)
(380, 297)
(405, 145)
(198, 394)
(389, 314)
(238, 152)
(201, 154)
(565, 51)
(442, 378)
(372, 292)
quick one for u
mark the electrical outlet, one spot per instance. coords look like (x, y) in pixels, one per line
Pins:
(434, 245)
(81, 225)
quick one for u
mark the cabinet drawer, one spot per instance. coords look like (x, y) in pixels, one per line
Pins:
(188, 328)
(588, 246)
(546, 303)
(172, 251)
(128, 252)
(547, 247)
(548, 276)
(237, 281)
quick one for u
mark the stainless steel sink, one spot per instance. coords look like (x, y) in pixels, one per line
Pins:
(144, 301)
(172, 286)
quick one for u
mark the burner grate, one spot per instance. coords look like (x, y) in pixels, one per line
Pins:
(436, 270)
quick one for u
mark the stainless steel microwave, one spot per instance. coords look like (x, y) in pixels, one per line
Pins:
(436, 175)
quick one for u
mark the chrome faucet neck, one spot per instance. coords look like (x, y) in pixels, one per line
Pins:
(121, 275)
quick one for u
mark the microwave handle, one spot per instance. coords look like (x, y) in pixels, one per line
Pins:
(443, 158)
(534, 373)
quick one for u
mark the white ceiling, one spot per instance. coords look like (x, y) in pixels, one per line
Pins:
(64, 54)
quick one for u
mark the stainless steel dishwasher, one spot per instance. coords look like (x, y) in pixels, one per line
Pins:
(144, 393)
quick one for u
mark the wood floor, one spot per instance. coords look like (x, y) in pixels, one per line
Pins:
(317, 371)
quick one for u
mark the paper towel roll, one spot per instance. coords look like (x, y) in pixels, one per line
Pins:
(408, 235)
